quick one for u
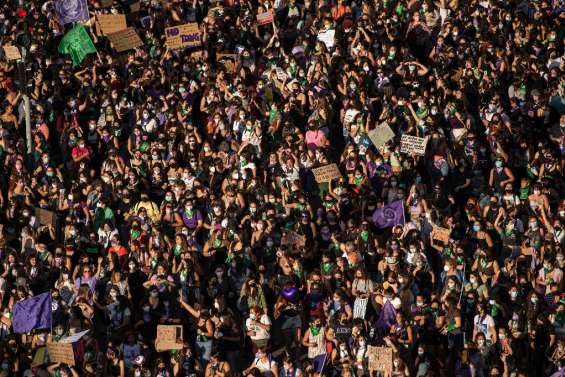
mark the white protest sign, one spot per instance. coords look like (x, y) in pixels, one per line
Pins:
(413, 144)
(328, 37)
(380, 135)
(350, 115)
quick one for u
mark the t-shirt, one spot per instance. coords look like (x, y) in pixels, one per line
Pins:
(483, 324)
(260, 333)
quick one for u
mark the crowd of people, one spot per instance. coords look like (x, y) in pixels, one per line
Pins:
(182, 192)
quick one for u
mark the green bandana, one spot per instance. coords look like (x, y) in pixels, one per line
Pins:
(178, 250)
(365, 235)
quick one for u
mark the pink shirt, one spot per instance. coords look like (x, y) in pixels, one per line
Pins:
(314, 139)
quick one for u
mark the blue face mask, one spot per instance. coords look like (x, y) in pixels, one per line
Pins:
(476, 228)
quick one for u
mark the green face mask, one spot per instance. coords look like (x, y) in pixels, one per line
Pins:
(326, 267)
(365, 235)
(314, 330)
(217, 243)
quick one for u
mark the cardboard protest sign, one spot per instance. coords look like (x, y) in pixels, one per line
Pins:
(265, 18)
(169, 337)
(380, 135)
(45, 217)
(228, 60)
(134, 7)
(413, 144)
(111, 23)
(326, 173)
(441, 234)
(61, 353)
(380, 359)
(328, 37)
(181, 36)
(293, 239)
(12, 52)
(125, 39)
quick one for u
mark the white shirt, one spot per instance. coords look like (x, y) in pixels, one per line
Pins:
(484, 324)
(260, 333)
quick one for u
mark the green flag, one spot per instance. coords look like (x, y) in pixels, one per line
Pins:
(77, 43)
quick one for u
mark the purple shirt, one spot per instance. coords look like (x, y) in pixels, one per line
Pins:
(91, 282)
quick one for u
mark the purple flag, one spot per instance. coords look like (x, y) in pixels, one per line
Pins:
(387, 318)
(390, 215)
(34, 313)
(68, 11)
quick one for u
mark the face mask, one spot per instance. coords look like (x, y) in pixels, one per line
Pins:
(252, 316)
(498, 164)
(476, 228)
(145, 116)
(446, 268)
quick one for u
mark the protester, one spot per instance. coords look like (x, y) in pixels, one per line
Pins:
(174, 181)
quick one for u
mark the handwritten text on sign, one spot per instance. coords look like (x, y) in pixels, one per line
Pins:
(441, 234)
(182, 36)
(380, 135)
(326, 173)
(265, 18)
(413, 144)
(61, 353)
(169, 337)
(380, 359)
(124, 40)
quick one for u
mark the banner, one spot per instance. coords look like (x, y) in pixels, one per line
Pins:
(328, 37)
(380, 359)
(441, 234)
(381, 135)
(390, 215)
(12, 52)
(111, 23)
(61, 353)
(169, 337)
(68, 11)
(326, 173)
(265, 18)
(187, 35)
(413, 144)
(125, 39)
